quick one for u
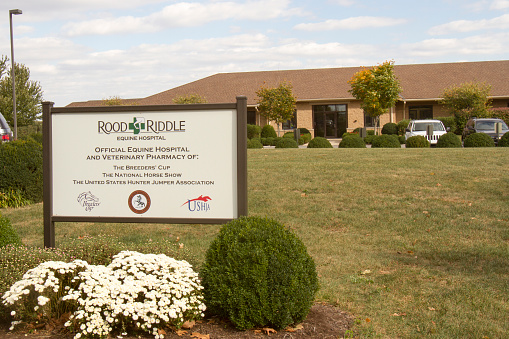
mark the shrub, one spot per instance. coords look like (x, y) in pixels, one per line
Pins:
(286, 143)
(306, 137)
(288, 135)
(402, 125)
(22, 168)
(417, 141)
(504, 140)
(304, 130)
(257, 273)
(319, 142)
(8, 235)
(385, 141)
(254, 143)
(402, 139)
(352, 142)
(500, 113)
(478, 140)
(13, 198)
(448, 122)
(268, 132)
(253, 131)
(369, 138)
(449, 140)
(390, 128)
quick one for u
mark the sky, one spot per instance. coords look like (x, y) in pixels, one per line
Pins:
(82, 50)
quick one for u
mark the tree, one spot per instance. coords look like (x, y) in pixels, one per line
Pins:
(467, 100)
(190, 99)
(277, 104)
(377, 88)
(28, 94)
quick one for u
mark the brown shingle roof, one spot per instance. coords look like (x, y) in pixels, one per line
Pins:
(421, 81)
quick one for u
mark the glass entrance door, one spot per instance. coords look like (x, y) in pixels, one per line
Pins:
(330, 121)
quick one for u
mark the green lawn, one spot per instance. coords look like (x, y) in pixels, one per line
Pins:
(412, 242)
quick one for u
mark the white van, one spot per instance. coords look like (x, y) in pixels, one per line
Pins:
(430, 129)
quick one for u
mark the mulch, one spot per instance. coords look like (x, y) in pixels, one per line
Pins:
(323, 321)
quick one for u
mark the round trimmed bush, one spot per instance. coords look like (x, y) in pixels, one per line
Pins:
(390, 128)
(417, 141)
(257, 273)
(268, 132)
(478, 140)
(319, 142)
(253, 131)
(254, 143)
(287, 143)
(22, 168)
(504, 140)
(304, 130)
(385, 141)
(352, 142)
(8, 235)
(449, 140)
(402, 125)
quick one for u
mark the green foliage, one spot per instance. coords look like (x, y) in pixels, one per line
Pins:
(448, 122)
(257, 273)
(500, 113)
(352, 141)
(8, 235)
(254, 143)
(13, 198)
(417, 141)
(402, 125)
(390, 128)
(319, 142)
(304, 130)
(467, 100)
(478, 140)
(369, 139)
(189, 99)
(268, 132)
(385, 141)
(253, 131)
(112, 101)
(377, 88)
(37, 137)
(277, 104)
(22, 168)
(304, 138)
(287, 143)
(504, 140)
(28, 95)
(449, 140)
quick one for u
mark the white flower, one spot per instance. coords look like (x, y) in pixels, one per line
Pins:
(13, 313)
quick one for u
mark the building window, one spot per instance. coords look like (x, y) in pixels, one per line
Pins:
(251, 117)
(420, 112)
(291, 123)
(369, 121)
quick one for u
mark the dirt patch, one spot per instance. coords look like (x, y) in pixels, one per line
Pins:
(323, 321)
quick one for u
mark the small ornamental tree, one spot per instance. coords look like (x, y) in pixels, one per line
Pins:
(467, 100)
(377, 88)
(190, 99)
(277, 104)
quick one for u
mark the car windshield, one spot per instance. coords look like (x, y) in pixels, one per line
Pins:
(422, 126)
(489, 125)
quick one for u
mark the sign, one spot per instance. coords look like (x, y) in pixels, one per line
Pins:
(171, 164)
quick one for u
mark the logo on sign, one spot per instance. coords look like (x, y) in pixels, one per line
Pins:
(137, 125)
(199, 204)
(88, 201)
(139, 202)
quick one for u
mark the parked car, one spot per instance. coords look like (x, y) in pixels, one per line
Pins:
(484, 125)
(5, 130)
(423, 127)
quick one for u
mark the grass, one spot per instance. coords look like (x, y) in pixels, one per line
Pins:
(413, 242)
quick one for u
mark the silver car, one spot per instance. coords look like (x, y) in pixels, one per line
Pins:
(5, 130)
(485, 125)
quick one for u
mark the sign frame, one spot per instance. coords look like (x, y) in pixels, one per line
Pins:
(240, 196)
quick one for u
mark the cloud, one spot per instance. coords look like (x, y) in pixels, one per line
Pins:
(345, 3)
(462, 26)
(499, 4)
(184, 14)
(351, 24)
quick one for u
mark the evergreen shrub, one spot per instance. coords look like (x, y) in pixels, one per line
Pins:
(304, 138)
(287, 143)
(257, 273)
(385, 141)
(448, 122)
(417, 141)
(319, 142)
(402, 125)
(268, 132)
(253, 131)
(352, 142)
(254, 143)
(390, 128)
(8, 235)
(504, 140)
(304, 130)
(449, 140)
(478, 140)
(22, 168)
